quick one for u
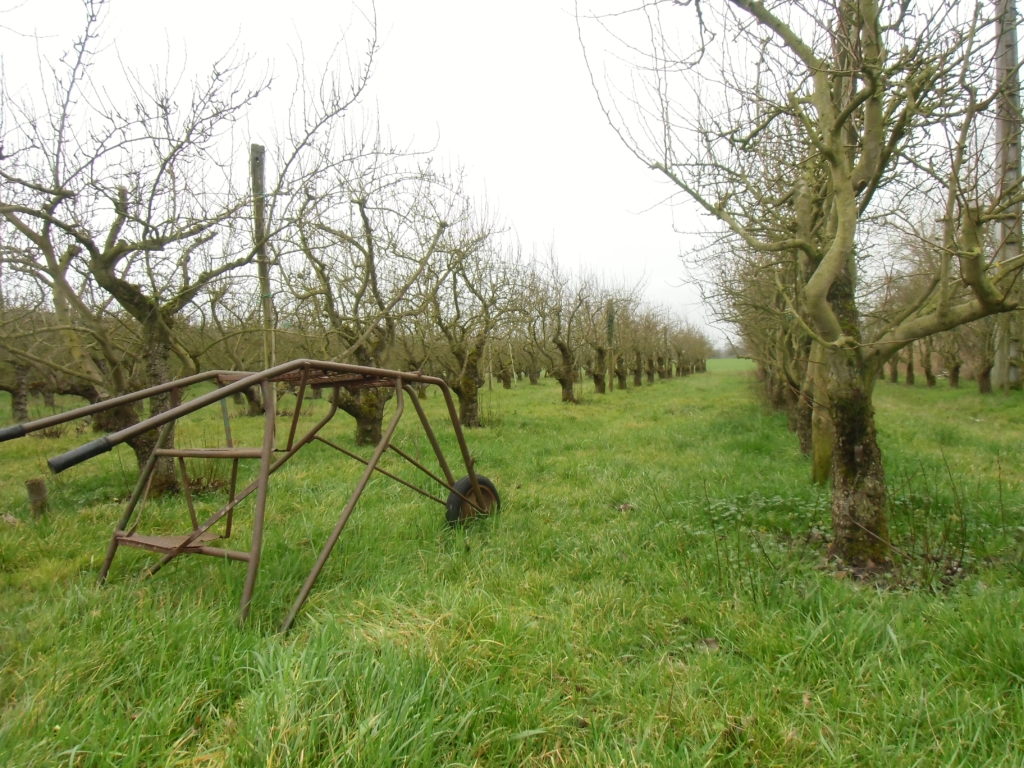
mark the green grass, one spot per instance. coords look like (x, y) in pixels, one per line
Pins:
(654, 592)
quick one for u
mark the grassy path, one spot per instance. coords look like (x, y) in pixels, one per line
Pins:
(653, 593)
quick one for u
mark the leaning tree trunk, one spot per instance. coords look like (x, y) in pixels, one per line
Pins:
(859, 518)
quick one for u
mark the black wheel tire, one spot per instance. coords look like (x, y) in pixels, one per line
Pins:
(458, 510)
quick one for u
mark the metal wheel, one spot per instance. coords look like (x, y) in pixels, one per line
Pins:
(458, 510)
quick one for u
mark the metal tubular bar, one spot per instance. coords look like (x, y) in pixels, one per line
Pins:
(310, 373)
(384, 472)
(232, 486)
(249, 379)
(421, 468)
(186, 483)
(269, 426)
(425, 422)
(477, 501)
(463, 448)
(243, 494)
(112, 402)
(299, 398)
(347, 511)
(137, 493)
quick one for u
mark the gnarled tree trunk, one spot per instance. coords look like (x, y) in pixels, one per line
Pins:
(859, 522)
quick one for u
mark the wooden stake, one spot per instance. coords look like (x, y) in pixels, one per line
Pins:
(36, 496)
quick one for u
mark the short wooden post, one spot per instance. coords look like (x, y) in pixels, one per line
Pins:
(36, 496)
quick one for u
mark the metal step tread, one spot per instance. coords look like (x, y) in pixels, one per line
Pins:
(165, 544)
(230, 452)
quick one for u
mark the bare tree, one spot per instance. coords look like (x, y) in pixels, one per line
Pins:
(370, 235)
(125, 207)
(561, 305)
(484, 289)
(809, 130)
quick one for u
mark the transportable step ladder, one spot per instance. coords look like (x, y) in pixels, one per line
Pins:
(470, 496)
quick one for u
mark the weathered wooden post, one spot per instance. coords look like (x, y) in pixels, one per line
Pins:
(37, 501)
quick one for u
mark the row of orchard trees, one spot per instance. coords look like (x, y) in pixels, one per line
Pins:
(129, 255)
(862, 160)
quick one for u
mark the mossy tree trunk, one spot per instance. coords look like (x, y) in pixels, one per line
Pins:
(467, 387)
(366, 407)
(565, 370)
(860, 534)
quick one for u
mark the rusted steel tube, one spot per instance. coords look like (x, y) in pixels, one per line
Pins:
(9, 433)
(244, 493)
(431, 437)
(384, 472)
(263, 483)
(463, 448)
(103, 444)
(347, 511)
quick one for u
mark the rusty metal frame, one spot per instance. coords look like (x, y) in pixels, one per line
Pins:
(302, 374)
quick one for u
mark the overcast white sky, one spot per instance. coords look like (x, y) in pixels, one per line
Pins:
(500, 88)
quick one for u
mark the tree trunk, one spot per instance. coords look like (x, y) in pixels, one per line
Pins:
(468, 388)
(19, 395)
(803, 419)
(822, 434)
(566, 373)
(926, 363)
(620, 371)
(638, 370)
(954, 376)
(859, 524)
(254, 403)
(157, 337)
(505, 376)
(909, 379)
(650, 370)
(985, 378)
(599, 375)
(894, 369)
(366, 406)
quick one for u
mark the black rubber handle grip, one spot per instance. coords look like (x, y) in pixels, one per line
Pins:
(9, 433)
(79, 454)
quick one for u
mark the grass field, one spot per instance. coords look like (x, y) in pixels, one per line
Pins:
(654, 592)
